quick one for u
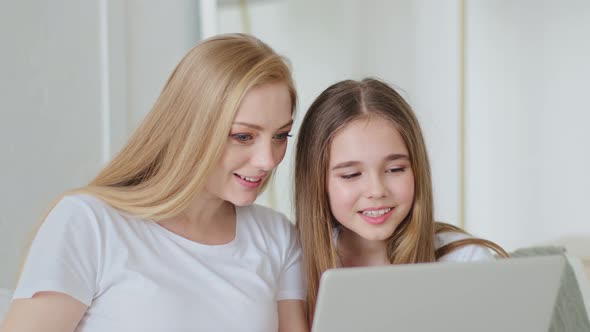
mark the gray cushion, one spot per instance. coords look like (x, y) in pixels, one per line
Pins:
(569, 313)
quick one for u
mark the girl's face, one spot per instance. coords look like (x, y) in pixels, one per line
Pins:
(256, 144)
(370, 179)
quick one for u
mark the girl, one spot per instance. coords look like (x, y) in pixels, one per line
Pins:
(166, 238)
(363, 191)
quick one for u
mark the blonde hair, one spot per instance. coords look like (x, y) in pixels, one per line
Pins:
(170, 156)
(337, 106)
(172, 153)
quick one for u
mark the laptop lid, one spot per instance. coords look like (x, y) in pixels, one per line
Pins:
(516, 294)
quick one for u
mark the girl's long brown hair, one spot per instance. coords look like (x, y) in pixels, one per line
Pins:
(337, 106)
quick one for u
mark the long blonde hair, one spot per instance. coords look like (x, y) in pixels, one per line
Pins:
(337, 106)
(170, 156)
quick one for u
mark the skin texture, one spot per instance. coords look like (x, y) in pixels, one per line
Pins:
(369, 171)
(52, 311)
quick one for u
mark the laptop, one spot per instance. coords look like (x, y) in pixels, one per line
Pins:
(516, 294)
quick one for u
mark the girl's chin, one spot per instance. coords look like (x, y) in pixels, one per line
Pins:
(376, 237)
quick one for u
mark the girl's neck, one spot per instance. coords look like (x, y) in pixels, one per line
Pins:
(353, 250)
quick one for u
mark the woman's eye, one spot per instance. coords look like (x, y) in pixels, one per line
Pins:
(350, 176)
(282, 136)
(242, 137)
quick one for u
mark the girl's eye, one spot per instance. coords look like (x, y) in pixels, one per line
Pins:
(350, 176)
(396, 170)
(282, 136)
(242, 138)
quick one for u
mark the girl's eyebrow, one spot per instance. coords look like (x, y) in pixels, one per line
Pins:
(391, 157)
(259, 128)
(396, 156)
(345, 164)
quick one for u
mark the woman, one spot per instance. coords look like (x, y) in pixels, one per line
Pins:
(166, 238)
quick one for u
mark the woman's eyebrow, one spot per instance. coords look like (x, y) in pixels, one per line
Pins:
(257, 127)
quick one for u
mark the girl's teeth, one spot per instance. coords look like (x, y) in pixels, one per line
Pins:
(249, 179)
(376, 213)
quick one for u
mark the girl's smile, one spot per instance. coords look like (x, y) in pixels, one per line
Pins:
(376, 216)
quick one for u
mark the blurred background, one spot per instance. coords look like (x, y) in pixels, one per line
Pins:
(500, 87)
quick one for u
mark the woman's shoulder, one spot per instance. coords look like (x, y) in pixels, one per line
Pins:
(83, 203)
(470, 252)
(80, 210)
(78, 201)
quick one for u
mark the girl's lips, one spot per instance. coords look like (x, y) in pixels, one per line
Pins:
(248, 184)
(376, 220)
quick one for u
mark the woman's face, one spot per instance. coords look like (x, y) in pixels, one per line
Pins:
(256, 144)
(370, 178)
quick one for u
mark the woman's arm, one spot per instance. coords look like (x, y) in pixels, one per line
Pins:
(292, 316)
(45, 311)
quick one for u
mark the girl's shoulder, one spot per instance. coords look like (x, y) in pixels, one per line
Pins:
(467, 253)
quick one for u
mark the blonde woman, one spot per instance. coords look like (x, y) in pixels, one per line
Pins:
(363, 191)
(166, 238)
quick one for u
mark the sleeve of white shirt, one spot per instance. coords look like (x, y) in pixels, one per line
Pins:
(64, 255)
(468, 253)
(291, 281)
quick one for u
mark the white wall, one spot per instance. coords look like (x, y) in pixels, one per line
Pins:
(159, 33)
(74, 82)
(49, 108)
(528, 81)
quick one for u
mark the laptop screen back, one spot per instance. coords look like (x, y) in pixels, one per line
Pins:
(515, 294)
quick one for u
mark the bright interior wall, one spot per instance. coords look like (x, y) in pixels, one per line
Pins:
(528, 76)
(49, 109)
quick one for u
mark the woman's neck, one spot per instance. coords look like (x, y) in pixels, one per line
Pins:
(354, 250)
(207, 220)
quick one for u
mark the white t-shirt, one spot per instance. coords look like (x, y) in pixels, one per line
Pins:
(136, 275)
(462, 254)
(466, 253)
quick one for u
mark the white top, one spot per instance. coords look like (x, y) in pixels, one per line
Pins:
(136, 275)
(462, 254)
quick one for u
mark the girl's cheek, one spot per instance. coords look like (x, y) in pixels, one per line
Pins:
(351, 195)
